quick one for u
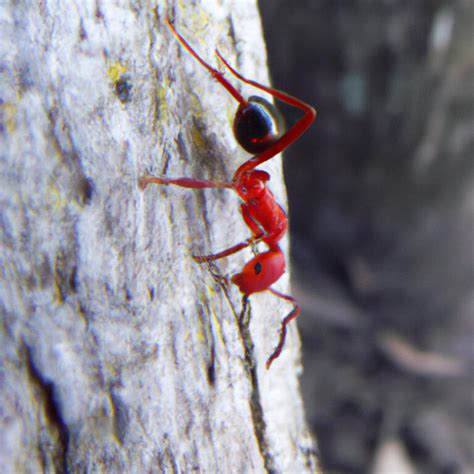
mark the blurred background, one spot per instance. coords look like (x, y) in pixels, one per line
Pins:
(381, 193)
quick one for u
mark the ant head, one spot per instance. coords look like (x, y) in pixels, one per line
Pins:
(257, 125)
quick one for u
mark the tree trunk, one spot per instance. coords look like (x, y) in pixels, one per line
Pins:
(119, 352)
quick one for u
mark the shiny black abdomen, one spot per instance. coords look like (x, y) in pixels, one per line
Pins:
(257, 125)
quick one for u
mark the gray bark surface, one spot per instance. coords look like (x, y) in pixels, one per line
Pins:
(118, 352)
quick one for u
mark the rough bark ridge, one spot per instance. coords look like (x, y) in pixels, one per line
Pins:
(119, 353)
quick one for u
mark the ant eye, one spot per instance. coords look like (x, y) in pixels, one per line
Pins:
(257, 268)
(257, 125)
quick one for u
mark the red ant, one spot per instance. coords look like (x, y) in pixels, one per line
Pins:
(256, 130)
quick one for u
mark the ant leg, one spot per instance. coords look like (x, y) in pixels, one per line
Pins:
(214, 72)
(231, 250)
(191, 183)
(253, 226)
(221, 280)
(292, 134)
(249, 220)
(292, 315)
(257, 236)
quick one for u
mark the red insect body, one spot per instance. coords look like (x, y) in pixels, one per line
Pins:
(256, 131)
(262, 271)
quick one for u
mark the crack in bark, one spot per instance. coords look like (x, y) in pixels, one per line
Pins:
(255, 403)
(311, 457)
(223, 282)
(120, 417)
(65, 274)
(80, 187)
(210, 344)
(256, 409)
(52, 416)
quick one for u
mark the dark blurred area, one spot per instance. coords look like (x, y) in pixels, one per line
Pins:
(381, 193)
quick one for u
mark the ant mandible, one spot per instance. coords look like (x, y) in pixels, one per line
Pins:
(256, 130)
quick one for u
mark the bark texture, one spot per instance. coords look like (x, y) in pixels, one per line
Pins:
(119, 353)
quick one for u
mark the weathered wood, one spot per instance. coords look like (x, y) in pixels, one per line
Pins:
(120, 353)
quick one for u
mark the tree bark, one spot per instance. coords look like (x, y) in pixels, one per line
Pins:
(119, 352)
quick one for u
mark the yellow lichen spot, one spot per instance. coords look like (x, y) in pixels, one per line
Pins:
(115, 71)
(197, 135)
(8, 112)
(195, 105)
(54, 198)
(163, 104)
(201, 337)
(201, 18)
(58, 297)
(197, 19)
(230, 113)
(217, 325)
(197, 130)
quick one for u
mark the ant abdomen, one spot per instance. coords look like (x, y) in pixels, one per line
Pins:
(257, 125)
